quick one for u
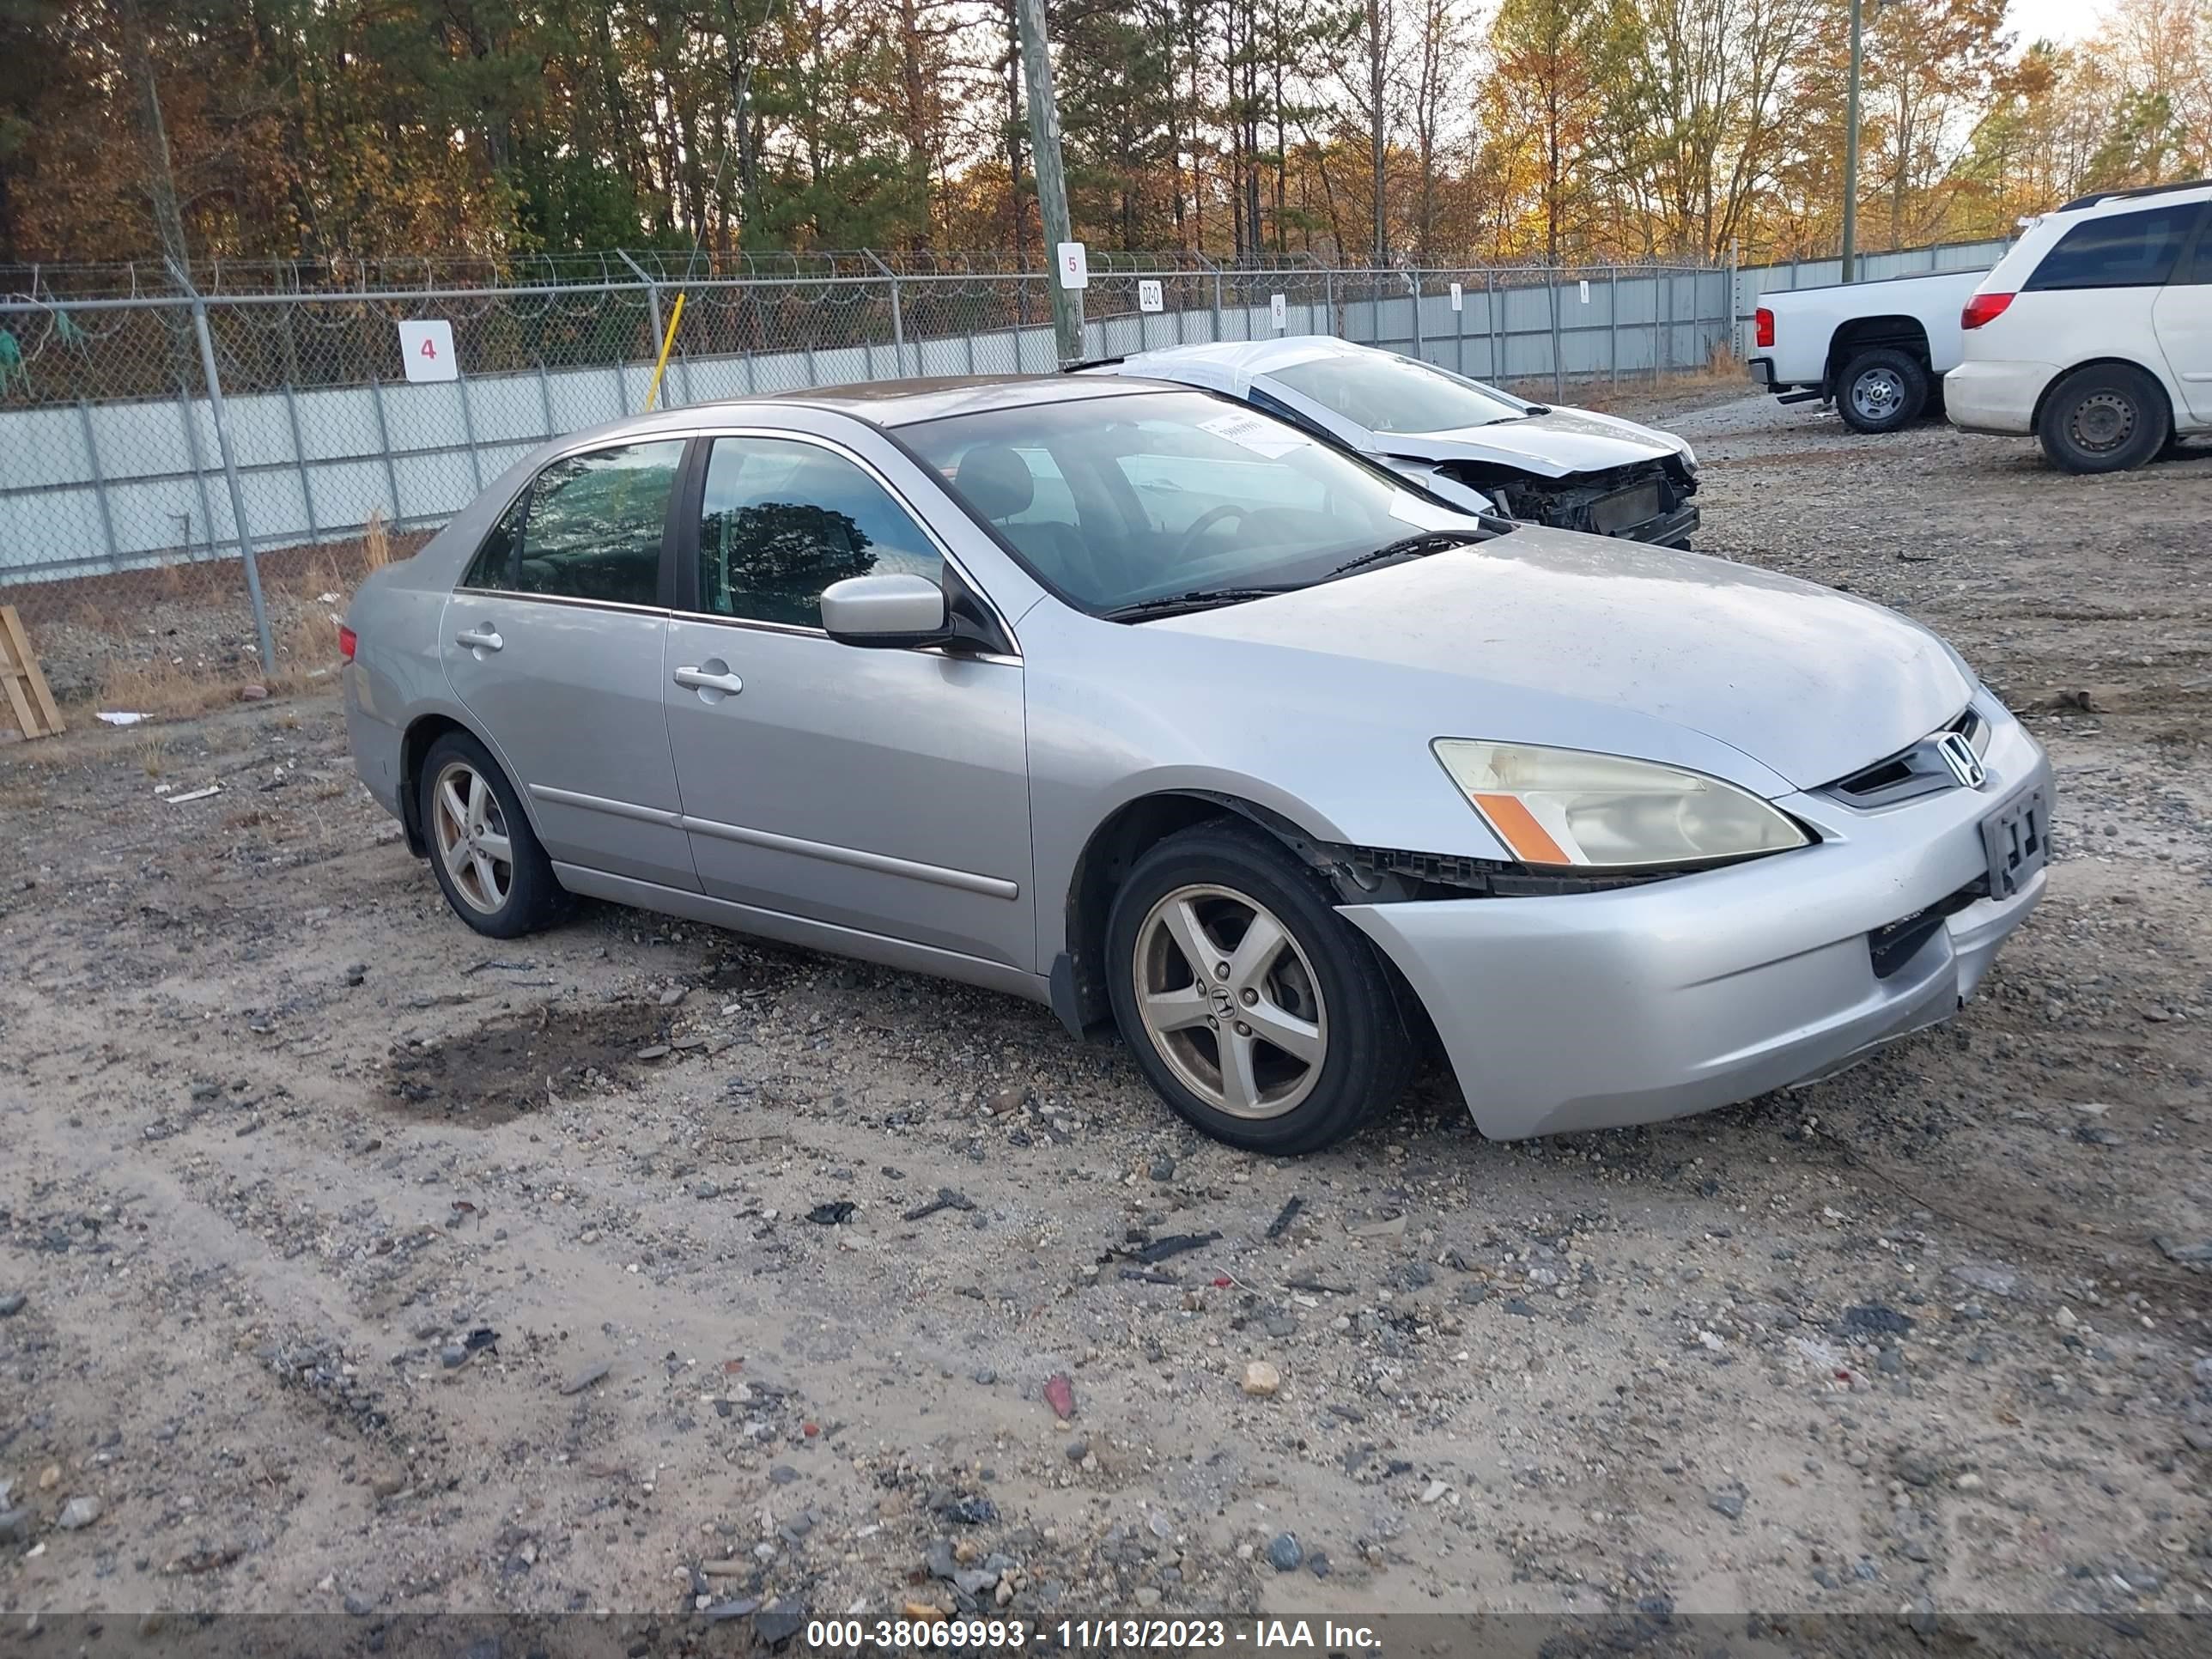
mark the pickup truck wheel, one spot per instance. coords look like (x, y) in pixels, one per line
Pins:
(2105, 418)
(1881, 389)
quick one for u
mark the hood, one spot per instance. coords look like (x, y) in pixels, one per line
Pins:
(1810, 683)
(1551, 446)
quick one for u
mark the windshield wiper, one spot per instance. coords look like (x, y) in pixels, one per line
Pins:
(1199, 598)
(1429, 541)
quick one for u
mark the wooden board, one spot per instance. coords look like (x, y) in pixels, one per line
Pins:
(27, 696)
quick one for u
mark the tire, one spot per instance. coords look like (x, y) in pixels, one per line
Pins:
(1320, 984)
(2105, 418)
(1881, 389)
(464, 831)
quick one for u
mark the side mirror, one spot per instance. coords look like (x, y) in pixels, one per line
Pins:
(892, 611)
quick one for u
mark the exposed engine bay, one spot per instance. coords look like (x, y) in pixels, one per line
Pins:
(1648, 502)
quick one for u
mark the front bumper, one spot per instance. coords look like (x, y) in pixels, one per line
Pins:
(1995, 397)
(1669, 530)
(1644, 1003)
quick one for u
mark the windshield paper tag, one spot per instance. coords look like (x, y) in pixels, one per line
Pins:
(1264, 438)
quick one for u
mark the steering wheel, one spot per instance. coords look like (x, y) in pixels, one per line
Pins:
(1204, 522)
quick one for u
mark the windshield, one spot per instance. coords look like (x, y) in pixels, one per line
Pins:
(1112, 502)
(1386, 393)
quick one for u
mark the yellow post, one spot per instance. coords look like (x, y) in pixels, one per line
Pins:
(667, 343)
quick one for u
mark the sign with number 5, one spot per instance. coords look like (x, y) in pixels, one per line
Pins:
(427, 349)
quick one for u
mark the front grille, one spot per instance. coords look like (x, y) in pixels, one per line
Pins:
(1894, 944)
(1919, 770)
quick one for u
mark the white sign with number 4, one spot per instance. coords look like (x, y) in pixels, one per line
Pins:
(427, 349)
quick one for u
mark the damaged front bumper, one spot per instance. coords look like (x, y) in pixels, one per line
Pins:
(1595, 1010)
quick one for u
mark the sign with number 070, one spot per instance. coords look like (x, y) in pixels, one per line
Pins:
(427, 349)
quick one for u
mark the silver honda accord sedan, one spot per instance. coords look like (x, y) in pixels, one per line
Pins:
(1145, 705)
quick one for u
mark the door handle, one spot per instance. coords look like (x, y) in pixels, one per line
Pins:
(480, 639)
(701, 679)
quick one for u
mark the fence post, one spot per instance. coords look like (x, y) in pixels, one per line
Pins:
(1558, 369)
(898, 320)
(1420, 344)
(1459, 330)
(300, 460)
(384, 443)
(1667, 282)
(468, 426)
(544, 402)
(1328, 299)
(1613, 320)
(653, 305)
(238, 520)
(1735, 304)
(1490, 325)
(189, 419)
(99, 484)
(1655, 324)
(1215, 270)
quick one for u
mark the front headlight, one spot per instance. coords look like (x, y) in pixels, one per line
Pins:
(1563, 807)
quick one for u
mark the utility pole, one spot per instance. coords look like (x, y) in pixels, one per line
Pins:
(1851, 155)
(1051, 180)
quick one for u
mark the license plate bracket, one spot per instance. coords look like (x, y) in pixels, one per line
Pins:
(2016, 838)
(1625, 508)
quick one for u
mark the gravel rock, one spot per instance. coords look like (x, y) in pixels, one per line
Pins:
(12, 1303)
(1727, 1501)
(1285, 1553)
(1261, 1380)
(78, 1514)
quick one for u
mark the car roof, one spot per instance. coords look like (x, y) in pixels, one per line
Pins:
(1250, 356)
(2120, 200)
(905, 403)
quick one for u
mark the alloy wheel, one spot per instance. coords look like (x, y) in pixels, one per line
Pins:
(1230, 1001)
(471, 831)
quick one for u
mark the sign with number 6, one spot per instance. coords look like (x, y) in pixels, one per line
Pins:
(427, 349)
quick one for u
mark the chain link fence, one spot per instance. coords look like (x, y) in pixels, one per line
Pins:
(192, 479)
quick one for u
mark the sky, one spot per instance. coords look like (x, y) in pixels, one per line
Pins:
(2063, 21)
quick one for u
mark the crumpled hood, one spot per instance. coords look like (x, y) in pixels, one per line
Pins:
(1811, 683)
(1553, 445)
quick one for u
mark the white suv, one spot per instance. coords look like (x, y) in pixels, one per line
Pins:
(2094, 332)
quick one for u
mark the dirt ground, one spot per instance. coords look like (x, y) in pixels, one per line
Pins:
(349, 1262)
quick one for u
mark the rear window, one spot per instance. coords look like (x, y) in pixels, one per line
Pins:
(2126, 249)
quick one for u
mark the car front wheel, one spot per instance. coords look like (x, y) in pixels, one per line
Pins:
(1261, 1016)
(486, 857)
(2105, 418)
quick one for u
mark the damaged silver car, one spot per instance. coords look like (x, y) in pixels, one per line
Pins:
(1573, 469)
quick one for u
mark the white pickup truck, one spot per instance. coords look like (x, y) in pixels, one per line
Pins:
(1878, 351)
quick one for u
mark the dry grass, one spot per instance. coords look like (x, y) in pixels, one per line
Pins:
(375, 542)
(161, 688)
(153, 756)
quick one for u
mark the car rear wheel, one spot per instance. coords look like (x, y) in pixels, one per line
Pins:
(487, 859)
(1259, 1015)
(2105, 418)
(1881, 389)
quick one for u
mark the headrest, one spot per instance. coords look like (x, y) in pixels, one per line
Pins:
(994, 481)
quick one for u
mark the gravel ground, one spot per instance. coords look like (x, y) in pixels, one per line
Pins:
(349, 1262)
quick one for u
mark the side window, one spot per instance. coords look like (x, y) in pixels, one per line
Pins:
(2126, 249)
(595, 521)
(494, 564)
(782, 520)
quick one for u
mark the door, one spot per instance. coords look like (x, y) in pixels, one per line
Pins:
(554, 642)
(2183, 316)
(885, 791)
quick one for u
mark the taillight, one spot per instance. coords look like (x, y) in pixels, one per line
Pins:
(1984, 308)
(347, 640)
(1762, 320)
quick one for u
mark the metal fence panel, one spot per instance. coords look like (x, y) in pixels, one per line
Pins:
(113, 468)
